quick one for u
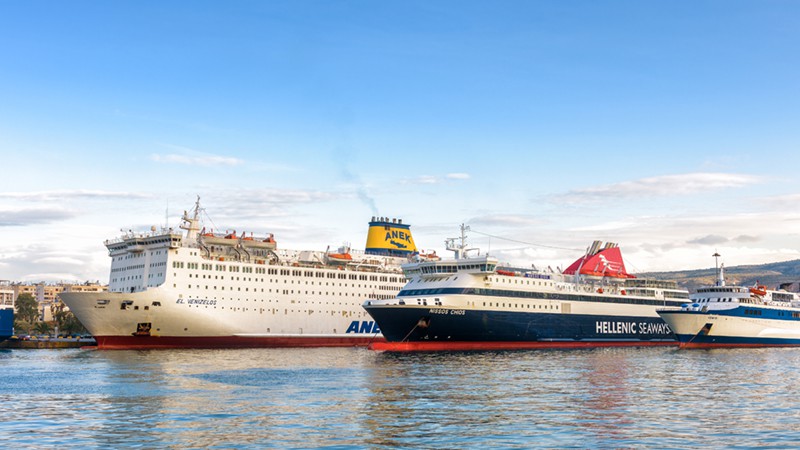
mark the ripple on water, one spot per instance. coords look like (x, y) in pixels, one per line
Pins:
(343, 398)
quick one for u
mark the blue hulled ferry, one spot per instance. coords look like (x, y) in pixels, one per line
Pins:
(473, 302)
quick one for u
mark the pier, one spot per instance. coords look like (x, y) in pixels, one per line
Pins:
(50, 343)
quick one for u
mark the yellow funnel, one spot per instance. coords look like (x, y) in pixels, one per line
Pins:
(389, 237)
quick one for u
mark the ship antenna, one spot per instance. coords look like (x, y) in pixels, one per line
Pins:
(460, 249)
(720, 281)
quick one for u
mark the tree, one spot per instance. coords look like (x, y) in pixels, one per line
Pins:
(42, 328)
(21, 327)
(59, 315)
(70, 325)
(27, 308)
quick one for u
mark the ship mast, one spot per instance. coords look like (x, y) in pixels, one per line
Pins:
(192, 225)
(460, 249)
(719, 270)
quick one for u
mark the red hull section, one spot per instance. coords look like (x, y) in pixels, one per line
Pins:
(165, 342)
(433, 346)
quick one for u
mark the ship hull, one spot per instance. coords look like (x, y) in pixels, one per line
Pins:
(428, 329)
(732, 328)
(6, 323)
(160, 318)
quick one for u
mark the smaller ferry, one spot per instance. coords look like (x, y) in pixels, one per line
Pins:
(736, 316)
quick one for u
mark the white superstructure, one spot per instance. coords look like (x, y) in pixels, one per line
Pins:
(202, 289)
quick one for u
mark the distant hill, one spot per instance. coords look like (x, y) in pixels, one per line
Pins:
(770, 275)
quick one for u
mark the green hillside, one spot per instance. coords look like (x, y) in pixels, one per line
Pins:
(770, 275)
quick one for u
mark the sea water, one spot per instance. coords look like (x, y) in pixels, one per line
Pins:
(356, 398)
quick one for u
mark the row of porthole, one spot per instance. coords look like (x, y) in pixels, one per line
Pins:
(515, 305)
(285, 311)
(288, 292)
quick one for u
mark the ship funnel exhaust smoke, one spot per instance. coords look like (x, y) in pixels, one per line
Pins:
(342, 155)
(369, 201)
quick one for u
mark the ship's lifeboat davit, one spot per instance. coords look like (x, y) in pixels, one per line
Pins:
(268, 243)
(231, 239)
(211, 238)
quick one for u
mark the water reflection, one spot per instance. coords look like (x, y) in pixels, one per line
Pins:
(356, 398)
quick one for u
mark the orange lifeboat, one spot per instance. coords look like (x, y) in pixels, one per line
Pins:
(431, 256)
(341, 256)
(759, 290)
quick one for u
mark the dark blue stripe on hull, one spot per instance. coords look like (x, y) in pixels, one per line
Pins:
(431, 324)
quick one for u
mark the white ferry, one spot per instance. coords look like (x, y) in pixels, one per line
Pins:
(168, 289)
(473, 302)
(736, 316)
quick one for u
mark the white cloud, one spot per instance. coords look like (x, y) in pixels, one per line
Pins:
(231, 207)
(197, 160)
(39, 261)
(248, 199)
(711, 239)
(30, 216)
(192, 157)
(658, 243)
(71, 194)
(666, 185)
(506, 220)
(52, 277)
(59, 261)
(427, 179)
(436, 179)
(457, 176)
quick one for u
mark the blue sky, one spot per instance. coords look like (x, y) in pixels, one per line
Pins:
(669, 127)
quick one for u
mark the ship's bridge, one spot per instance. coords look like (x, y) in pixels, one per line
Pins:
(430, 269)
(138, 242)
(723, 290)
